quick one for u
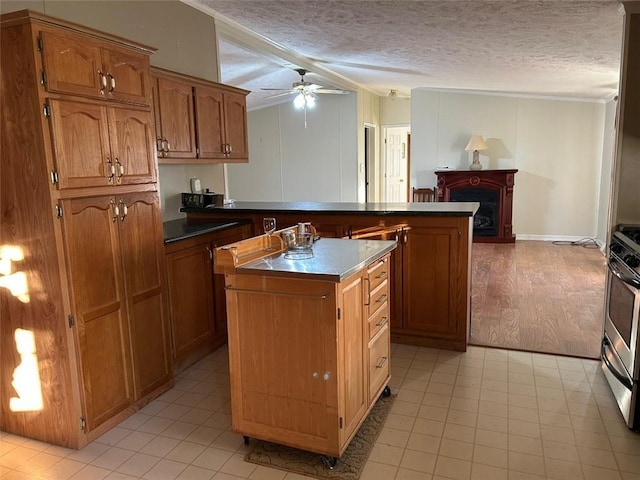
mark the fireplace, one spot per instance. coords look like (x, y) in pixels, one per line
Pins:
(493, 189)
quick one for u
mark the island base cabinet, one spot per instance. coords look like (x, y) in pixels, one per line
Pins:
(299, 357)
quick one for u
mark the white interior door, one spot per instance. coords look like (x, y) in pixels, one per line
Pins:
(396, 157)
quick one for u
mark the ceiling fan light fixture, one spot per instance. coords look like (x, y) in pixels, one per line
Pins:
(299, 101)
(311, 100)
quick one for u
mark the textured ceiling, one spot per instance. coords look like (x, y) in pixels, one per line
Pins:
(553, 48)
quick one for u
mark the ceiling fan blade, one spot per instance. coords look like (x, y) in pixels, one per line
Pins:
(277, 89)
(280, 94)
(333, 91)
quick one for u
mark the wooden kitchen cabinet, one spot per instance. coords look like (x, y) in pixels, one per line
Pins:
(198, 121)
(115, 316)
(88, 240)
(76, 64)
(305, 367)
(196, 295)
(98, 145)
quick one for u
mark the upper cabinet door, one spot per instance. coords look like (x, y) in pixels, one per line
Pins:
(209, 103)
(235, 110)
(175, 126)
(81, 144)
(131, 133)
(72, 64)
(127, 76)
(77, 65)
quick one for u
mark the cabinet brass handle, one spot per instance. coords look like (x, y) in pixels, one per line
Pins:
(110, 169)
(115, 211)
(125, 210)
(383, 321)
(383, 360)
(167, 145)
(112, 81)
(120, 168)
(103, 82)
(230, 148)
(210, 254)
(382, 299)
(382, 274)
(404, 237)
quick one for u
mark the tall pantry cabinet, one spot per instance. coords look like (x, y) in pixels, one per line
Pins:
(80, 220)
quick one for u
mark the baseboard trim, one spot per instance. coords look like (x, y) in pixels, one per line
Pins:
(558, 238)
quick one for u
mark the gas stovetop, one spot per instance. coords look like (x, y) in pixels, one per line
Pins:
(625, 245)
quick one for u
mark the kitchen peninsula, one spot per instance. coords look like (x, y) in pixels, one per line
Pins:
(430, 275)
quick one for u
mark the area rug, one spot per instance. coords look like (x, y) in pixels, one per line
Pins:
(348, 467)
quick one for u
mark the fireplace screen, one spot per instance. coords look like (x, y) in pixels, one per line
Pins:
(485, 222)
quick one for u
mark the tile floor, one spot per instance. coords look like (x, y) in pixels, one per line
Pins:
(485, 414)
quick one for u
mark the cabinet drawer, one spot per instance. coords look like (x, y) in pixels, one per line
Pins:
(378, 297)
(378, 272)
(378, 362)
(378, 320)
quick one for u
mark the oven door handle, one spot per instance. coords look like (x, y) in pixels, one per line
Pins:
(621, 378)
(625, 278)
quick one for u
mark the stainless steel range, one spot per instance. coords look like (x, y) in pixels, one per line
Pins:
(621, 342)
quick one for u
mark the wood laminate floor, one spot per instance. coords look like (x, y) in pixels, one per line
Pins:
(538, 297)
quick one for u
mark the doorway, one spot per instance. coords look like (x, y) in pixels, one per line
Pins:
(395, 185)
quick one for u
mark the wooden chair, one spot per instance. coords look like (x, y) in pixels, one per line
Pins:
(424, 194)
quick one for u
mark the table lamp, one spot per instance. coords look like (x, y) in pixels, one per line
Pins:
(476, 143)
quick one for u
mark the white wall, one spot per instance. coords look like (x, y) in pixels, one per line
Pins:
(185, 39)
(606, 172)
(290, 163)
(557, 146)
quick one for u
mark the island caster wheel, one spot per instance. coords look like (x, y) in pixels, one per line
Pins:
(246, 439)
(386, 392)
(329, 462)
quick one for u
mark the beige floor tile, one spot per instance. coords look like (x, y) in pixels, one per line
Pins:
(493, 408)
(135, 441)
(63, 470)
(524, 462)
(557, 434)
(518, 397)
(456, 449)
(495, 457)
(523, 444)
(562, 470)
(417, 374)
(494, 396)
(17, 456)
(592, 440)
(267, 473)
(196, 473)
(528, 429)
(203, 435)
(237, 466)
(185, 452)
(160, 446)
(494, 386)
(598, 473)
(180, 430)
(91, 472)
(406, 474)
(400, 422)
(113, 458)
(416, 385)
(453, 468)
(37, 464)
(489, 438)
(412, 396)
(155, 425)
(446, 378)
(138, 464)
(440, 389)
(428, 427)
(480, 471)
(520, 380)
(405, 408)
(597, 458)
(458, 417)
(228, 440)
(387, 454)
(464, 404)
(490, 422)
(560, 451)
(466, 391)
(459, 432)
(555, 419)
(424, 443)
(393, 437)
(165, 470)
(430, 412)
(212, 458)
(523, 414)
(419, 461)
(378, 471)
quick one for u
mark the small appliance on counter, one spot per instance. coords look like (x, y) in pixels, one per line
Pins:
(202, 200)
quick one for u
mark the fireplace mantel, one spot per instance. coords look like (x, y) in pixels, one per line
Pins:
(499, 181)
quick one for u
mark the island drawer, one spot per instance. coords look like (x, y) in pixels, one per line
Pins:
(378, 272)
(378, 320)
(378, 297)
(378, 361)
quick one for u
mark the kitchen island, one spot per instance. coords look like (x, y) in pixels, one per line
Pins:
(309, 341)
(430, 278)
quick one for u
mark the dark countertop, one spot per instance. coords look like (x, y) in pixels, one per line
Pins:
(181, 229)
(448, 209)
(334, 259)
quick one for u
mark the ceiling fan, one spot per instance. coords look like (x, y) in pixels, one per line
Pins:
(305, 90)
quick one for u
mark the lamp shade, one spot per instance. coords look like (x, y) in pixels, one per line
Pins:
(476, 143)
